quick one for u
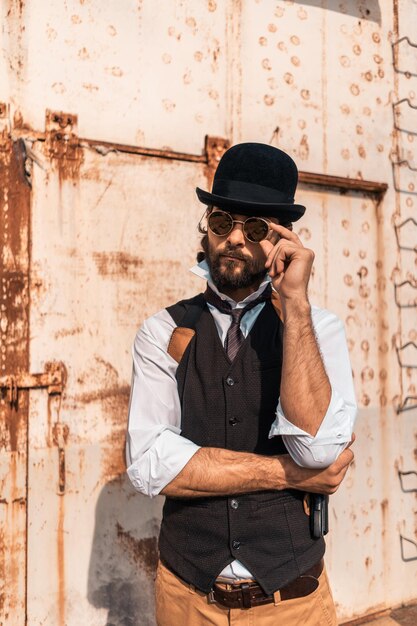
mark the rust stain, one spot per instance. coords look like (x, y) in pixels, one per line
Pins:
(115, 408)
(62, 144)
(143, 551)
(60, 433)
(117, 264)
(113, 461)
(384, 510)
(14, 358)
(14, 280)
(12, 545)
(61, 471)
(100, 384)
(115, 391)
(304, 149)
(61, 562)
(68, 332)
(92, 173)
(215, 147)
(114, 399)
(49, 422)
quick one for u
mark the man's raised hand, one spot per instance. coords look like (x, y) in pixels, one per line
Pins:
(288, 262)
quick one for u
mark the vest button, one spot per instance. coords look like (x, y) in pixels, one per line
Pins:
(234, 504)
(230, 381)
(236, 545)
(233, 421)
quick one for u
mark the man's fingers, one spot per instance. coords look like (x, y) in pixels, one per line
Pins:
(285, 233)
(278, 233)
(347, 456)
(280, 252)
(276, 261)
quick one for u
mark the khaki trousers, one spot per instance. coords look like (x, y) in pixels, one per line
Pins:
(180, 604)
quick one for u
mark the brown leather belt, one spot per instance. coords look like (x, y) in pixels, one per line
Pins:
(247, 595)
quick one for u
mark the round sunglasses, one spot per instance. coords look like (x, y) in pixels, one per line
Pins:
(255, 229)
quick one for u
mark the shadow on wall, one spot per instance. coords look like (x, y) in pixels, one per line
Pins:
(124, 554)
(362, 9)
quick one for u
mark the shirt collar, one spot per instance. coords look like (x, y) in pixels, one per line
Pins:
(202, 270)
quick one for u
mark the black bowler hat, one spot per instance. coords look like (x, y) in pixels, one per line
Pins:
(255, 179)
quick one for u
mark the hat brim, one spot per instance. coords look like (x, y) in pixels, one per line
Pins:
(290, 212)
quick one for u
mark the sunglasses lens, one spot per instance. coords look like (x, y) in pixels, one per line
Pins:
(256, 229)
(220, 223)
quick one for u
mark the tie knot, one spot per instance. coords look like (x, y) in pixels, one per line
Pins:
(223, 306)
(237, 314)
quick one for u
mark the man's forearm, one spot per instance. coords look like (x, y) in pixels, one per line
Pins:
(305, 388)
(218, 472)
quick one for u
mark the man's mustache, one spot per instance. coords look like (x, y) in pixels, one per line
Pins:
(232, 252)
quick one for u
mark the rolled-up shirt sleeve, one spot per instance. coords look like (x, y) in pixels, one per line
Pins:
(155, 450)
(336, 428)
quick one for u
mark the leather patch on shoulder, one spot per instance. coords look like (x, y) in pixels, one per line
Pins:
(179, 341)
(276, 303)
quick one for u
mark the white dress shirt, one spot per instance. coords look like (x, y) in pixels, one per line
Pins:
(155, 450)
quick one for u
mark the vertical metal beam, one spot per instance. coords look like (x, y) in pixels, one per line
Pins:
(14, 357)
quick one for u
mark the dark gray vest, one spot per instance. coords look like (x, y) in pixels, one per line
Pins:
(232, 405)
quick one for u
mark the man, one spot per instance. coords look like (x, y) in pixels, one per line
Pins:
(242, 401)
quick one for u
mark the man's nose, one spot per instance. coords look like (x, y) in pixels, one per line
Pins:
(236, 236)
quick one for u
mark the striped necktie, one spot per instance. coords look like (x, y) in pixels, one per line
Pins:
(234, 337)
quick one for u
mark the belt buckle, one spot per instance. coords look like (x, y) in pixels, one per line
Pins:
(246, 598)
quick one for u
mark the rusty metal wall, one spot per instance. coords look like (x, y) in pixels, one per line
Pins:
(105, 236)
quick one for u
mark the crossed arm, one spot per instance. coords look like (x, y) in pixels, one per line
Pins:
(218, 472)
(305, 396)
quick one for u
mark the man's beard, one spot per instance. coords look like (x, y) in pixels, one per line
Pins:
(223, 272)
